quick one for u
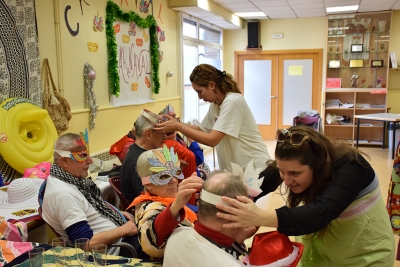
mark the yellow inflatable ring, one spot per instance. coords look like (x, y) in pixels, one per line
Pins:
(27, 134)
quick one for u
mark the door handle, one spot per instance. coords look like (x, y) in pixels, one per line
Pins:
(273, 96)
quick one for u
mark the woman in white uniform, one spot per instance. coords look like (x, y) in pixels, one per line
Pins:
(229, 124)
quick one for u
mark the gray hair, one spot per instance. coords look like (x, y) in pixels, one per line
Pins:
(141, 125)
(230, 185)
(67, 142)
(143, 165)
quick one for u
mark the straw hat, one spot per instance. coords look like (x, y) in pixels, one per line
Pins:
(273, 249)
(19, 199)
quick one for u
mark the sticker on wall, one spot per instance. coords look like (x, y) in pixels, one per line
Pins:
(147, 81)
(98, 23)
(93, 47)
(80, 2)
(144, 6)
(160, 33)
(139, 41)
(132, 29)
(67, 8)
(126, 38)
(117, 28)
(145, 36)
(134, 87)
(71, 31)
(159, 14)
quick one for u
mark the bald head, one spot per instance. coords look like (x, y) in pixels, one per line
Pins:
(220, 183)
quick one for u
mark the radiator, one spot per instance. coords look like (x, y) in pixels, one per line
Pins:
(104, 155)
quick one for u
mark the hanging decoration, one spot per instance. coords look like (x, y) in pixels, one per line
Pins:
(98, 23)
(89, 77)
(144, 6)
(113, 12)
(161, 35)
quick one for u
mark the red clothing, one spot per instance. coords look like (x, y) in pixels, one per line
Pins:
(121, 147)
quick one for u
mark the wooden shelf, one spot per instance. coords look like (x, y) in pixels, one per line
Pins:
(365, 96)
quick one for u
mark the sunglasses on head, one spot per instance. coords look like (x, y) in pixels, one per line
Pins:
(295, 138)
(80, 156)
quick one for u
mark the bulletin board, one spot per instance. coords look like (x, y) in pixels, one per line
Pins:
(133, 61)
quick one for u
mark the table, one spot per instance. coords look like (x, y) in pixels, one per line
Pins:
(384, 117)
(71, 252)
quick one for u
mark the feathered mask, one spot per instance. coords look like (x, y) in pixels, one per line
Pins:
(166, 166)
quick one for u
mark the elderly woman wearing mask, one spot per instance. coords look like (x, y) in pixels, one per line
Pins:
(161, 208)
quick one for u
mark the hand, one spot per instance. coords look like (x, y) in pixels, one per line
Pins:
(185, 190)
(171, 125)
(130, 228)
(128, 216)
(242, 212)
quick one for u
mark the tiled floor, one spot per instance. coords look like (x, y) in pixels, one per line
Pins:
(380, 159)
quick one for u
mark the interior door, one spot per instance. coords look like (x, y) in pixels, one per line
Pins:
(299, 87)
(290, 83)
(258, 83)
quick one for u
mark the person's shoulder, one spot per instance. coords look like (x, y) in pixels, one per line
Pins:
(183, 230)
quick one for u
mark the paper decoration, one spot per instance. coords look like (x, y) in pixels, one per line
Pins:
(250, 176)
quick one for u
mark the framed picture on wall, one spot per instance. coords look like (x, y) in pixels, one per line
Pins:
(334, 64)
(356, 63)
(356, 48)
(376, 63)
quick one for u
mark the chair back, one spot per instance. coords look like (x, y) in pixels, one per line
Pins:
(115, 182)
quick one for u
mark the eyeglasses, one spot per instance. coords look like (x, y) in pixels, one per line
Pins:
(296, 138)
(80, 156)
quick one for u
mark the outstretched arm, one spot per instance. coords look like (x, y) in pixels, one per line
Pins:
(192, 131)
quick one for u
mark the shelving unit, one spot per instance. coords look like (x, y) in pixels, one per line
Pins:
(358, 54)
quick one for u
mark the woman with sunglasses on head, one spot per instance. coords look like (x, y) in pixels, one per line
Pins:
(229, 124)
(334, 205)
(161, 208)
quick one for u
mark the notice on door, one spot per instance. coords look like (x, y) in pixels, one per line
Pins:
(295, 70)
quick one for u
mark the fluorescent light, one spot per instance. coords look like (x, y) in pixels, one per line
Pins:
(338, 9)
(251, 14)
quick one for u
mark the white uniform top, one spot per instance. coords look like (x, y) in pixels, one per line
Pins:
(242, 141)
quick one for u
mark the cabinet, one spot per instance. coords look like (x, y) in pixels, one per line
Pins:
(357, 75)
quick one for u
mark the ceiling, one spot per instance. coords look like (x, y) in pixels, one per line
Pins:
(284, 9)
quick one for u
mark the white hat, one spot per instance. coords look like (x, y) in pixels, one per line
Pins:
(19, 199)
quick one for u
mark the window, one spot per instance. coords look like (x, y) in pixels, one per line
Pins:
(202, 43)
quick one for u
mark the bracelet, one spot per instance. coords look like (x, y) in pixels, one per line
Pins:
(183, 129)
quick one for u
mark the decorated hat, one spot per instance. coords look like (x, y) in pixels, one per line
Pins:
(19, 199)
(152, 117)
(272, 249)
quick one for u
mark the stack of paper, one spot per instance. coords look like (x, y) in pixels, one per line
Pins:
(332, 103)
(363, 105)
